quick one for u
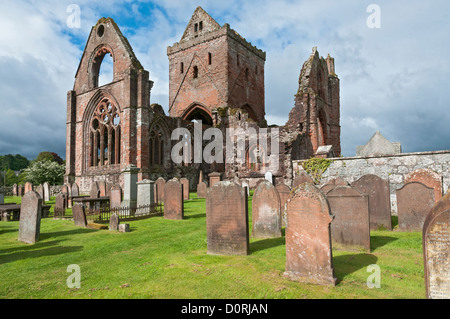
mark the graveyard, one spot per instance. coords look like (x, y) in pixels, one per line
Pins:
(209, 196)
(163, 258)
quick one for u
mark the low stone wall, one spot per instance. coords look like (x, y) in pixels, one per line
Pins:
(393, 168)
(8, 190)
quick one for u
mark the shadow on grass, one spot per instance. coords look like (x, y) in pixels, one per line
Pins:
(379, 241)
(267, 243)
(195, 216)
(347, 264)
(52, 251)
(8, 229)
(47, 235)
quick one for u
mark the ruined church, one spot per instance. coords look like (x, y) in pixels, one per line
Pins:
(215, 76)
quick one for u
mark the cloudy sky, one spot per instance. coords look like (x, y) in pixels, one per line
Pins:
(394, 78)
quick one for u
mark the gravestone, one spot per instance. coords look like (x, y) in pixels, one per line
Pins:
(28, 187)
(332, 184)
(266, 211)
(115, 198)
(75, 190)
(429, 179)
(65, 192)
(102, 188)
(69, 201)
(124, 228)
(130, 179)
(30, 217)
(227, 219)
(40, 190)
(95, 191)
(173, 200)
(46, 197)
(414, 201)
(301, 178)
(114, 222)
(379, 200)
(145, 196)
(160, 183)
(2, 199)
(245, 185)
(60, 205)
(309, 256)
(214, 178)
(436, 250)
(350, 227)
(201, 190)
(283, 191)
(79, 214)
(20, 190)
(269, 177)
(15, 190)
(185, 183)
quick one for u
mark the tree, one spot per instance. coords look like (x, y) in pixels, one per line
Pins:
(49, 156)
(14, 162)
(40, 172)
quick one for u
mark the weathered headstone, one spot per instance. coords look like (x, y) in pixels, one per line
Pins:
(414, 201)
(266, 211)
(185, 183)
(173, 200)
(201, 190)
(75, 190)
(301, 178)
(160, 183)
(283, 191)
(124, 228)
(115, 198)
(114, 222)
(269, 177)
(15, 190)
(95, 191)
(65, 192)
(28, 187)
(60, 205)
(30, 217)
(227, 219)
(20, 190)
(245, 185)
(102, 188)
(79, 214)
(46, 187)
(332, 184)
(40, 190)
(130, 179)
(429, 178)
(308, 239)
(214, 178)
(436, 250)
(145, 196)
(351, 226)
(379, 200)
(2, 199)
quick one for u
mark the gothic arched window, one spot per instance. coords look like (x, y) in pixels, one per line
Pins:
(104, 137)
(256, 159)
(156, 147)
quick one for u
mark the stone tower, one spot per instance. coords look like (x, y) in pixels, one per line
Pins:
(214, 67)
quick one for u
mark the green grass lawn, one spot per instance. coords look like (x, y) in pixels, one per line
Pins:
(167, 259)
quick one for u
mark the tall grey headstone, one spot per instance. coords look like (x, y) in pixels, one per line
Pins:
(46, 197)
(30, 217)
(145, 195)
(130, 187)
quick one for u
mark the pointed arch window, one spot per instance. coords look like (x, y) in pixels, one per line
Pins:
(104, 136)
(156, 146)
